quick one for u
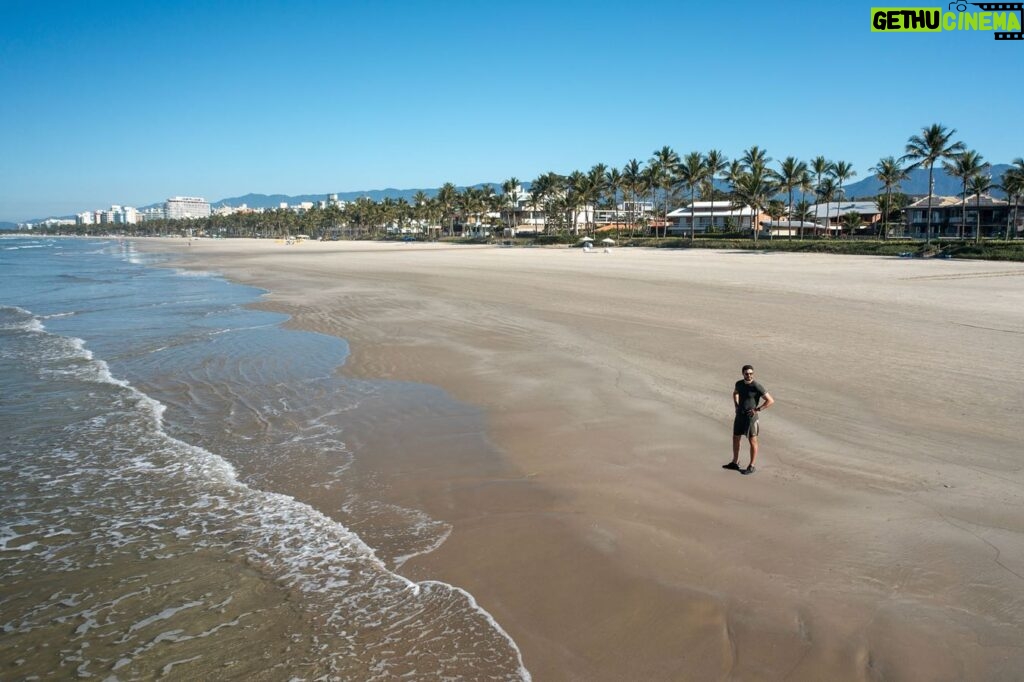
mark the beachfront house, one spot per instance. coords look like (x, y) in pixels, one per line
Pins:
(832, 214)
(718, 216)
(947, 214)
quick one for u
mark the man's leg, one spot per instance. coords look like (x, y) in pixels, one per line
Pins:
(753, 449)
(736, 449)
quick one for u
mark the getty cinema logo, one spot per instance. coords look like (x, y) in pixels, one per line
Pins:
(1002, 18)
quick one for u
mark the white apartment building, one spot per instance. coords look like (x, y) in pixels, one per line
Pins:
(178, 208)
(332, 200)
(115, 215)
(707, 217)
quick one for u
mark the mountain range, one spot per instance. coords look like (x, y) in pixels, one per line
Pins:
(917, 184)
(275, 200)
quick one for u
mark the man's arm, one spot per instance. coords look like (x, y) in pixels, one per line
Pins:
(768, 402)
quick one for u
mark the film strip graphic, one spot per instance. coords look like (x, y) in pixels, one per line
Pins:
(1004, 7)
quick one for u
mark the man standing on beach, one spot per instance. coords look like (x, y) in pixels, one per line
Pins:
(747, 398)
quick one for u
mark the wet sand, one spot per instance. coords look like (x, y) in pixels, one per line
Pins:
(882, 537)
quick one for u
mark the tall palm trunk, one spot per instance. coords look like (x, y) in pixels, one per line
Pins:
(654, 207)
(928, 221)
(693, 218)
(828, 216)
(963, 211)
(1014, 226)
(789, 217)
(712, 202)
(977, 229)
(888, 209)
(1009, 198)
(664, 211)
(633, 213)
(839, 207)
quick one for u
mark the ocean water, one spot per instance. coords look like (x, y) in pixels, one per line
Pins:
(157, 442)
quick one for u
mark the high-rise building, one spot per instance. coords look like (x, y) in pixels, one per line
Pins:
(177, 208)
(127, 216)
(151, 214)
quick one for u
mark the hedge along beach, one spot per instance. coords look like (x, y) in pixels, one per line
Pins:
(882, 537)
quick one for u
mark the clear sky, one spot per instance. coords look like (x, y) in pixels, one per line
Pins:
(131, 102)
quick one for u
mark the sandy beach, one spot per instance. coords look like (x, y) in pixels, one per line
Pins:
(881, 538)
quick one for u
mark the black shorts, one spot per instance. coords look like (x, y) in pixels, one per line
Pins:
(745, 425)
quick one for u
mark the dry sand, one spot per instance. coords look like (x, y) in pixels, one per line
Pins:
(882, 537)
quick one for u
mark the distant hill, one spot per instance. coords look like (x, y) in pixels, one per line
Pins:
(945, 185)
(275, 200)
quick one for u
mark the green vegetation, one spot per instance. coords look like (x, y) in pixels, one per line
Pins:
(636, 200)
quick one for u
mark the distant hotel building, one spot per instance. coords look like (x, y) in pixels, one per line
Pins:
(116, 215)
(177, 208)
(151, 214)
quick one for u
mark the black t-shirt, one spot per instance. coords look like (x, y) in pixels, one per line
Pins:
(750, 395)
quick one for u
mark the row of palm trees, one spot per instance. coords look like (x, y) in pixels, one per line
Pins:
(752, 183)
(664, 180)
(666, 176)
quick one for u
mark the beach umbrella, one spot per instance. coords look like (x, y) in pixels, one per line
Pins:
(586, 239)
(609, 240)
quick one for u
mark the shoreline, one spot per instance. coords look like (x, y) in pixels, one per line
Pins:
(608, 543)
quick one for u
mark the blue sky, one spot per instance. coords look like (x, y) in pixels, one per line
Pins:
(132, 102)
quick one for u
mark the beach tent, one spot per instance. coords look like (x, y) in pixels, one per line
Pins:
(608, 241)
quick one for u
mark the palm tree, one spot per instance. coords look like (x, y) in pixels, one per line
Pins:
(577, 191)
(613, 185)
(806, 185)
(540, 190)
(827, 192)
(841, 171)
(803, 213)
(965, 166)
(666, 160)
(511, 190)
(650, 180)
(692, 172)
(932, 145)
(1013, 185)
(852, 221)
(792, 173)
(754, 188)
(716, 163)
(755, 158)
(597, 177)
(589, 190)
(776, 209)
(403, 212)
(419, 202)
(979, 184)
(733, 174)
(447, 197)
(821, 167)
(631, 183)
(890, 173)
